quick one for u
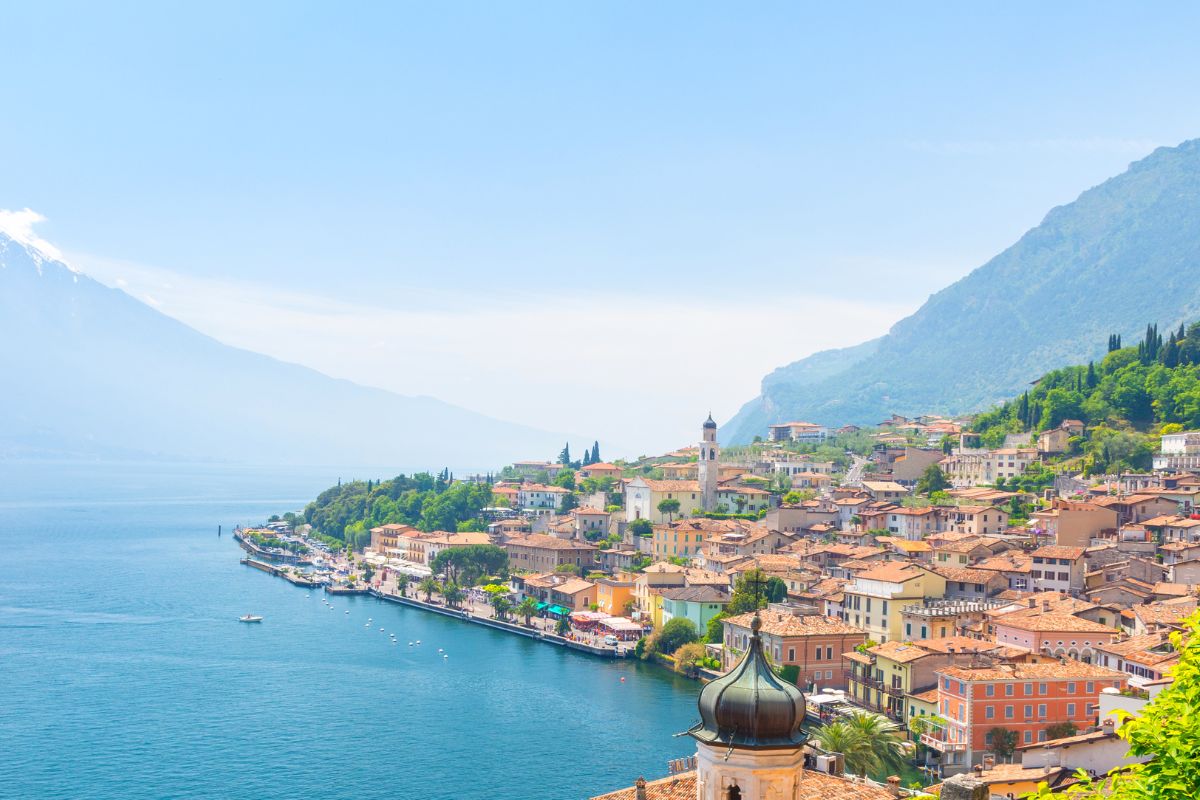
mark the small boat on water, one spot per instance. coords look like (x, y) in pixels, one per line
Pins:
(250, 618)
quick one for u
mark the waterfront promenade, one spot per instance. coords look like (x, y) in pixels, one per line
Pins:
(386, 588)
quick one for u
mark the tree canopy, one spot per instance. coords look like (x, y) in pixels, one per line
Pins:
(466, 565)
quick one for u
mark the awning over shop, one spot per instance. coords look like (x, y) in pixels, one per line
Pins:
(559, 610)
(542, 606)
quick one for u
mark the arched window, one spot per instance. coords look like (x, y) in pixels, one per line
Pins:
(733, 793)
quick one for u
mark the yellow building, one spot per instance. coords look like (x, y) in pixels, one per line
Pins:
(876, 598)
(613, 596)
(677, 541)
(643, 495)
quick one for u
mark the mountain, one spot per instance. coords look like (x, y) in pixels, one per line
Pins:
(90, 372)
(1125, 252)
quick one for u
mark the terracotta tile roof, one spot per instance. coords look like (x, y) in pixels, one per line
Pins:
(927, 696)
(695, 594)
(892, 572)
(1052, 621)
(1147, 649)
(965, 574)
(675, 787)
(811, 786)
(1009, 562)
(672, 486)
(1059, 551)
(775, 623)
(1067, 741)
(1031, 672)
(961, 644)
(900, 652)
(1168, 612)
(544, 542)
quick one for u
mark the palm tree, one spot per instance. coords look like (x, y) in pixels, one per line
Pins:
(527, 608)
(428, 585)
(453, 594)
(886, 738)
(501, 605)
(841, 737)
(402, 581)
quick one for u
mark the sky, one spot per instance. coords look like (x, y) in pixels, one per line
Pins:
(608, 218)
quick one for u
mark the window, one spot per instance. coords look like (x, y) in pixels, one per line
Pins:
(1028, 738)
(1070, 710)
(908, 629)
(829, 653)
(1071, 688)
(1008, 712)
(791, 654)
(1041, 736)
(990, 691)
(1042, 690)
(1091, 688)
(989, 712)
(1029, 687)
(1028, 711)
(828, 674)
(1041, 710)
(1008, 690)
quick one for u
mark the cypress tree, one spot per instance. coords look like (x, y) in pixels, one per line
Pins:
(1091, 375)
(596, 452)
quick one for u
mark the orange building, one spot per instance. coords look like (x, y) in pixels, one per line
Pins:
(1022, 698)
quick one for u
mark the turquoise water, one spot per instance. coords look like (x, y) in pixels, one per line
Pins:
(123, 671)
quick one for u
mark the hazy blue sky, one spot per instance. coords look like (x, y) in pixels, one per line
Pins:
(568, 213)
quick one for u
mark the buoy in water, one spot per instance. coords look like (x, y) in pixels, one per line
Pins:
(622, 680)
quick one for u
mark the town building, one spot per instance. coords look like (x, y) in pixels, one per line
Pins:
(696, 603)
(875, 599)
(537, 552)
(1025, 698)
(814, 644)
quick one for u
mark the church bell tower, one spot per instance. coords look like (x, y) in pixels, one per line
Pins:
(708, 464)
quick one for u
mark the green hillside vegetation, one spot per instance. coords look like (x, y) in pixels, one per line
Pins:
(348, 511)
(1127, 401)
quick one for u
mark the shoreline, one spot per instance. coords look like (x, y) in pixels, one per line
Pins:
(463, 615)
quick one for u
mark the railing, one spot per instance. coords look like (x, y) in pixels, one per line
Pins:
(932, 741)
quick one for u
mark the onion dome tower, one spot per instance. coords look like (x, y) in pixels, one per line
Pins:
(749, 742)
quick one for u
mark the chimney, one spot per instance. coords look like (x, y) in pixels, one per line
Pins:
(639, 789)
(1045, 605)
(1108, 725)
(1032, 602)
(893, 785)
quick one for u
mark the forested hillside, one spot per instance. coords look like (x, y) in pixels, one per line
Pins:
(1127, 400)
(348, 511)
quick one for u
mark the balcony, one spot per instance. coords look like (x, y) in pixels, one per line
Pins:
(934, 742)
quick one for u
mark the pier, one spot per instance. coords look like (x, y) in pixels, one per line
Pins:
(290, 577)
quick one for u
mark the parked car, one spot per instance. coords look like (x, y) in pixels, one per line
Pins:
(610, 640)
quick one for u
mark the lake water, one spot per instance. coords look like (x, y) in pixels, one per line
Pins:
(124, 673)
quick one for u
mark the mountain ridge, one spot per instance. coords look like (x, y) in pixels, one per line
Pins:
(1126, 250)
(96, 372)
